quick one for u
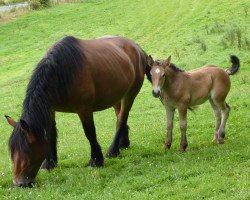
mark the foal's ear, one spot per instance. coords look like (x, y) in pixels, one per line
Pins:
(27, 132)
(150, 60)
(167, 61)
(11, 121)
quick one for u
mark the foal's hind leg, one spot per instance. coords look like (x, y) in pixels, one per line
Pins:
(225, 109)
(183, 126)
(217, 113)
(51, 161)
(124, 138)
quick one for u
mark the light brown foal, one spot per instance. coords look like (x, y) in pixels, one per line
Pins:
(182, 90)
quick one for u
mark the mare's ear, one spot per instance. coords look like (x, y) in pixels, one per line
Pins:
(11, 121)
(150, 60)
(27, 132)
(167, 61)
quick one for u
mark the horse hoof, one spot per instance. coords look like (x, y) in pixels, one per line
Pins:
(124, 145)
(47, 165)
(95, 163)
(181, 150)
(220, 141)
(167, 146)
(112, 154)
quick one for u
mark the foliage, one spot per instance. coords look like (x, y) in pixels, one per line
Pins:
(38, 4)
(145, 170)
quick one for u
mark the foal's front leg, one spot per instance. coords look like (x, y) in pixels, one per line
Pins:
(170, 117)
(183, 126)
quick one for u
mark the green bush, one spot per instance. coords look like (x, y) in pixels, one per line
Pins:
(38, 4)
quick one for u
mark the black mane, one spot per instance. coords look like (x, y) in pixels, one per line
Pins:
(54, 73)
(175, 68)
(172, 65)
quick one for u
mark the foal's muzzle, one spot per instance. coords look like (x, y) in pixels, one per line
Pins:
(156, 92)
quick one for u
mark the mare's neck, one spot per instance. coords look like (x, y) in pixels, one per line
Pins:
(37, 110)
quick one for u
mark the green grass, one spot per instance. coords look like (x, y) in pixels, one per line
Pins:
(145, 170)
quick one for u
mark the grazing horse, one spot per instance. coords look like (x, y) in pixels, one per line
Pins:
(76, 76)
(183, 90)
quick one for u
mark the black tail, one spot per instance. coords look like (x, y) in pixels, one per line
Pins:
(235, 65)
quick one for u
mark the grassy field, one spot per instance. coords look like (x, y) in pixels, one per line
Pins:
(194, 32)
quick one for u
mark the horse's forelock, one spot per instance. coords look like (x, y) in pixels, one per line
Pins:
(17, 142)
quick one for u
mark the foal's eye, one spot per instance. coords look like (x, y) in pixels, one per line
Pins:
(163, 75)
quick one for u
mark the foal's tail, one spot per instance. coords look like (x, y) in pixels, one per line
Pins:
(235, 65)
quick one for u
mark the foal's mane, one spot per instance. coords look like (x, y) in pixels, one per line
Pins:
(172, 66)
(175, 68)
(54, 74)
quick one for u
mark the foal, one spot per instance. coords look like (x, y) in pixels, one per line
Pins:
(181, 90)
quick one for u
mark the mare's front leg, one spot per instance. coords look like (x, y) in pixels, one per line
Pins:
(170, 117)
(51, 161)
(87, 120)
(183, 126)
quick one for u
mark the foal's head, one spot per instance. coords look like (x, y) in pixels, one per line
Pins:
(158, 73)
(27, 153)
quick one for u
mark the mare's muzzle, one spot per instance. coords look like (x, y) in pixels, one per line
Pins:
(23, 184)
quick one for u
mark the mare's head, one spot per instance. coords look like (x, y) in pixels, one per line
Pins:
(27, 152)
(158, 73)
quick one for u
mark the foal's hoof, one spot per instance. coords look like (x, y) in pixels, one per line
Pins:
(167, 145)
(93, 162)
(48, 164)
(220, 140)
(112, 154)
(182, 149)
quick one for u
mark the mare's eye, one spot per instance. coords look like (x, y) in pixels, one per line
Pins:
(163, 75)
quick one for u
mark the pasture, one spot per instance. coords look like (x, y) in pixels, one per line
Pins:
(194, 33)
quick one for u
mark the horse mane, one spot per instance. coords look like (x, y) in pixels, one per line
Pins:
(175, 68)
(53, 75)
(172, 66)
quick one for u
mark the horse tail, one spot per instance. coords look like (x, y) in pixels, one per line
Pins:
(235, 65)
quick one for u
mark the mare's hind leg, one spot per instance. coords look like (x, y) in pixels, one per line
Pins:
(225, 109)
(51, 161)
(217, 113)
(124, 138)
(87, 120)
(122, 128)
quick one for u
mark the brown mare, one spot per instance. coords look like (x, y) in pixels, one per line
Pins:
(181, 90)
(76, 76)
